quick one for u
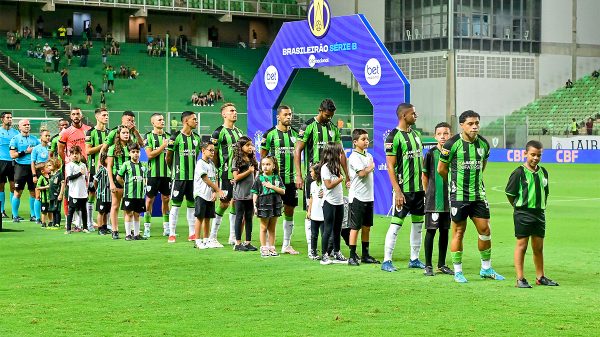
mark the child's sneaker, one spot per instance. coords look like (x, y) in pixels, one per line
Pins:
(273, 252)
(146, 232)
(191, 237)
(166, 231)
(240, 248)
(213, 243)
(139, 238)
(67, 232)
(522, 283)
(85, 230)
(129, 237)
(115, 235)
(544, 281)
(325, 260)
(172, 239)
(264, 251)
(289, 250)
(250, 247)
(338, 257)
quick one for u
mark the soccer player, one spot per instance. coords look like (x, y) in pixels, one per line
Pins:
(223, 138)
(404, 158)
(182, 152)
(21, 147)
(127, 120)
(94, 140)
(279, 142)
(437, 211)
(527, 191)
(159, 175)
(63, 123)
(312, 137)
(132, 175)
(361, 196)
(462, 162)
(7, 171)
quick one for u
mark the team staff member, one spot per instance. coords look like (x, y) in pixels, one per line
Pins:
(7, 171)
(21, 147)
(312, 137)
(278, 142)
(159, 175)
(223, 138)
(94, 139)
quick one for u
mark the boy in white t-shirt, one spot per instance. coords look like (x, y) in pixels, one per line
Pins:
(314, 212)
(206, 190)
(361, 196)
(76, 176)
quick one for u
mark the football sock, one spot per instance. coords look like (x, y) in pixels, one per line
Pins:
(415, 240)
(457, 261)
(128, 227)
(365, 248)
(16, 202)
(390, 242)
(173, 220)
(429, 236)
(288, 227)
(352, 250)
(191, 219)
(231, 226)
(136, 227)
(31, 206)
(2, 201)
(216, 223)
(165, 221)
(308, 232)
(147, 218)
(486, 258)
(37, 212)
(90, 211)
(442, 247)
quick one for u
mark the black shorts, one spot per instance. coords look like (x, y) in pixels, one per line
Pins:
(103, 207)
(290, 198)
(226, 186)
(77, 204)
(134, 205)
(530, 222)
(306, 194)
(54, 205)
(45, 207)
(414, 204)
(437, 220)
(462, 210)
(361, 214)
(204, 209)
(181, 189)
(7, 171)
(118, 184)
(156, 185)
(23, 177)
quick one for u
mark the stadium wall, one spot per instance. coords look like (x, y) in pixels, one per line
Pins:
(374, 11)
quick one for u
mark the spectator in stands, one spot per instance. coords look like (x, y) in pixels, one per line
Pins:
(69, 53)
(26, 32)
(40, 27)
(102, 100)
(64, 76)
(595, 74)
(10, 40)
(69, 34)
(174, 52)
(89, 91)
(574, 128)
(76, 50)
(46, 48)
(84, 55)
(194, 99)
(210, 97)
(254, 39)
(133, 74)
(31, 51)
(219, 96)
(110, 78)
(62, 33)
(240, 43)
(56, 60)
(569, 84)
(104, 55)
(149, 48)
(589, 126)
(48, 61)
(98, 31)
(39, 52)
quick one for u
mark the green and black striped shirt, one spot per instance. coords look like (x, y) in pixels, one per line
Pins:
(530, 189)
(408, 150)
(466, 162)
(44, 194)
(56, 181)
(103, 187)
(436, 196)
(223, 138)
(54, 145)
(118, 161)
(157, 166)
(94, 137)
(185, 152)
(280, 145)
(315, 135)
(134, 175)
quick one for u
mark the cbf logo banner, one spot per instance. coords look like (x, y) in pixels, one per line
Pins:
(323, 41)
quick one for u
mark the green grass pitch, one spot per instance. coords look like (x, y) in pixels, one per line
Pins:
(84, 285)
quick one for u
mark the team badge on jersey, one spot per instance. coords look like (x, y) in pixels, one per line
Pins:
(454, 210)
(293, 139)
(480, 151)
(148, 188)
(444, 151)
(214, 141)
(435, 216)
(101, 207)
(331, 133)
(195, 142)
(175, 193)
(126, 203)
(388, 146)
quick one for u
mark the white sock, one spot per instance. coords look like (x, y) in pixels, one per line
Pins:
(90, 211)
(191, 219)
(390, 241)
(127, 228)
(173, 214)
(415, 240)
(288, 228)
(457, 267)
(231, 226)
(216, 223)
(307, 232)
(198, 242)
(77, 219)
(165, 225)
(136, 227)
(146, 226)
(204, 240)
(486, 264)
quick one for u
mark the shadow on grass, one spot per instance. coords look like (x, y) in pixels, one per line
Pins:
(11, 230)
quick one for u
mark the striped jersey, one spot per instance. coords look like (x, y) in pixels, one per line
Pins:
(466, 161)
(436, 195)
(54, 145)
(134, 175)
(223, 138)
(530, 189)
(157, 166)
(408, 150)
(95, 137)
(103, 185)
(185, 151)
(43, 181)
(315, 135)
(280, 145)
(118, 160)
(56, 181)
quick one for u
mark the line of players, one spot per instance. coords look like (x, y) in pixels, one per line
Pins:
(172, 163)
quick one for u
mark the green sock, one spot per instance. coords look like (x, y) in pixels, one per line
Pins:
(456, 257)
(166, 218)
(147, 217)
(232, 209)
(486, 254)
(220, 211)
(289, 217)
